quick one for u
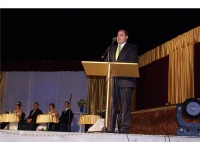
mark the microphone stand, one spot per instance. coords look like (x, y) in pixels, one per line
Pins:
(105, 52)
(114, 39)
(69, 121)
(104, 129)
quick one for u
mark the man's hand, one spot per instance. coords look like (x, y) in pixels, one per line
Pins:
(28, 120)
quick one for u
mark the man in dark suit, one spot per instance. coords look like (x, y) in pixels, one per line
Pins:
(31, 120)
(65, 119)
(123, 86)
(102, 112)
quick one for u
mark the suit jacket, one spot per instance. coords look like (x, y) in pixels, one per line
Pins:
(102, 114)
(129, 53)
(66, 117)
(34, 116)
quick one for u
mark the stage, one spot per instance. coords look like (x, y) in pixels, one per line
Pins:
(44, 136)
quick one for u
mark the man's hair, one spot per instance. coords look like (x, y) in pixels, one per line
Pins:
(126, 31)
(52, 105)
(36, 103)
(67, 102)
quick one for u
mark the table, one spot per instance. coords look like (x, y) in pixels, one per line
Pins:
(9, 117)
(80, 114)
(46, 118)
(88, 119)
(43, 119)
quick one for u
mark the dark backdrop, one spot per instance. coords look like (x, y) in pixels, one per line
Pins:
(85, 34)
(152, 89)
(197, 69)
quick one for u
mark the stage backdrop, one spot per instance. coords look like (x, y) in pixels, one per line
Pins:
(45, 88)
(169, 72)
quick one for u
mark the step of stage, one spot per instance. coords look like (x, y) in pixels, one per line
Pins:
(47, 136)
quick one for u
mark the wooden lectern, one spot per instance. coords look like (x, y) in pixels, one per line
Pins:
(110, 69)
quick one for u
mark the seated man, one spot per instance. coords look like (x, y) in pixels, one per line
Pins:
(102, 112)
(98, 126)
(31, 120)
(65, 120)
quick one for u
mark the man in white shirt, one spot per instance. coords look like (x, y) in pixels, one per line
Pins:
(31, 120)
(65, 119)
(123, 86)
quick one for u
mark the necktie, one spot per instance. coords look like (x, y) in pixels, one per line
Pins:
(118, 51)
(65, 110)
(33, 112)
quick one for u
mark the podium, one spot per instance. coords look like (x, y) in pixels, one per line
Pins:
(110, 69)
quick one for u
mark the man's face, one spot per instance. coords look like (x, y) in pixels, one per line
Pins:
(35, 106)
(66, 105)
(121, 37)
(103, 106)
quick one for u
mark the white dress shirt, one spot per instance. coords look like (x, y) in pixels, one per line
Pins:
(66, 110)
(122, 45)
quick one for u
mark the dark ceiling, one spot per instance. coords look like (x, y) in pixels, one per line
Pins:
(85, 34)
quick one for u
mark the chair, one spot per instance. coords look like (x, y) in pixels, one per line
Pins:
(26, 126)
(23, 116)
(21, 122)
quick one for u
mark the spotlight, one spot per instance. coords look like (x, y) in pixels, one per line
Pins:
(190, 109)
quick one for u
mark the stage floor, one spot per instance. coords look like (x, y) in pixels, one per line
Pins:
(47, 136)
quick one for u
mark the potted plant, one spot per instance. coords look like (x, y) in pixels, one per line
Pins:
(81, 103)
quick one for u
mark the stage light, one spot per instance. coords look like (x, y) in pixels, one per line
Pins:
(190, 109)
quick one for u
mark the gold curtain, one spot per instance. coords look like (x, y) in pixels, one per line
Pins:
(181, 69)
(97, 90)
(2, 83)
(96, 94)
(189, 38)
(181, 75)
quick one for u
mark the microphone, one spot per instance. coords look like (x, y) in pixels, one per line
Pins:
(114, 39)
